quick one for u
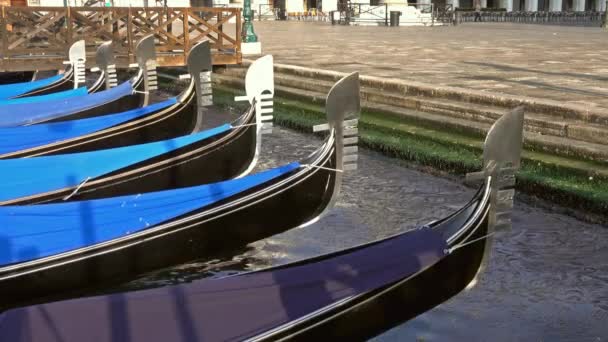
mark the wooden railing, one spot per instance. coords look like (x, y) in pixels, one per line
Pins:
(39, 37)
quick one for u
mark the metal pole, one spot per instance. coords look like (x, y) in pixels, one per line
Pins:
(249, 35)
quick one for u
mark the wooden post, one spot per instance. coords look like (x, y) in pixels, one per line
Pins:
(68, 18)
(237, 48)
(4, 33)
(186, 31)
(131, 52)
(220, 38)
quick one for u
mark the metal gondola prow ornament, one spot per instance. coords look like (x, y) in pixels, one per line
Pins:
(501, 160)
(343, 108)
(146, 60)
(107, 64)
(78, 58)
(259, 91)
(200, 67)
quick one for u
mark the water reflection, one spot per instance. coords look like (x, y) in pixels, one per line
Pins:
(546, 281)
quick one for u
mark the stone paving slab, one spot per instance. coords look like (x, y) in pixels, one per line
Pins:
(567, 64)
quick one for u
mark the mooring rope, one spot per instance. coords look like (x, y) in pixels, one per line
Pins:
(76, 190)
(321, 167)
(464, 244)
(245, 125)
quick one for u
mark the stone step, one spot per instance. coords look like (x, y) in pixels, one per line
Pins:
(552, 144)
(534, 123)
(556, 109)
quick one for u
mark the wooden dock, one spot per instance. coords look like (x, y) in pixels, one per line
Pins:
(39, 37)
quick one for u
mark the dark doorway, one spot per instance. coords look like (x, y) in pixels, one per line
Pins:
(312, 4)
(201, 3)
(466, 4)
(493, 4)
(519, 5)
(439, 3)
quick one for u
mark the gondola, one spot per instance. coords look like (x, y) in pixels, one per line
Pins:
(56, 83)
(105, 66)
(73, 80)
(127, 236)
(132, 94)
(12, 77)
(212, 155)
(165, 120)
(70, 83)
(353, 294)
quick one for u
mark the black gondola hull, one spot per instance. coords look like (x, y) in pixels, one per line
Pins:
(390, 306)
(215, 159)
(156, 126)
(295, 199)
(65, 83)
(16, 77)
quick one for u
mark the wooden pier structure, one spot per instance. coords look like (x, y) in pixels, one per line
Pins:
(39, 37)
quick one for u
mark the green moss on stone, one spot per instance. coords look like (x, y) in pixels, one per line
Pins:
(575, 183)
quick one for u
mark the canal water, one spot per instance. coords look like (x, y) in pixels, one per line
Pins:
(547, 279)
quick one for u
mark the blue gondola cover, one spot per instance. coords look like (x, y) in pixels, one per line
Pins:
(28, 176)
(11, 90)
(30, 113)
(37, 231)
(82, 91)
(14, 139)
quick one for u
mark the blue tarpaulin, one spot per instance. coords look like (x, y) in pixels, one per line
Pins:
(29, 113)
(82, 91)
(24, 137)
(11, 90)
(48, 229)
(27, 176)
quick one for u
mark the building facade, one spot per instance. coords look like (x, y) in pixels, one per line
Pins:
(326, 6)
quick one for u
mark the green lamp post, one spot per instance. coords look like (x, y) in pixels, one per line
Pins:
(248, 34)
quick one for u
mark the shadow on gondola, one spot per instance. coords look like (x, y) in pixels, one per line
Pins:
(118, 317)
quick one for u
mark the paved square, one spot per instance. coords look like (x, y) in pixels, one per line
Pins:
(562, 63)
